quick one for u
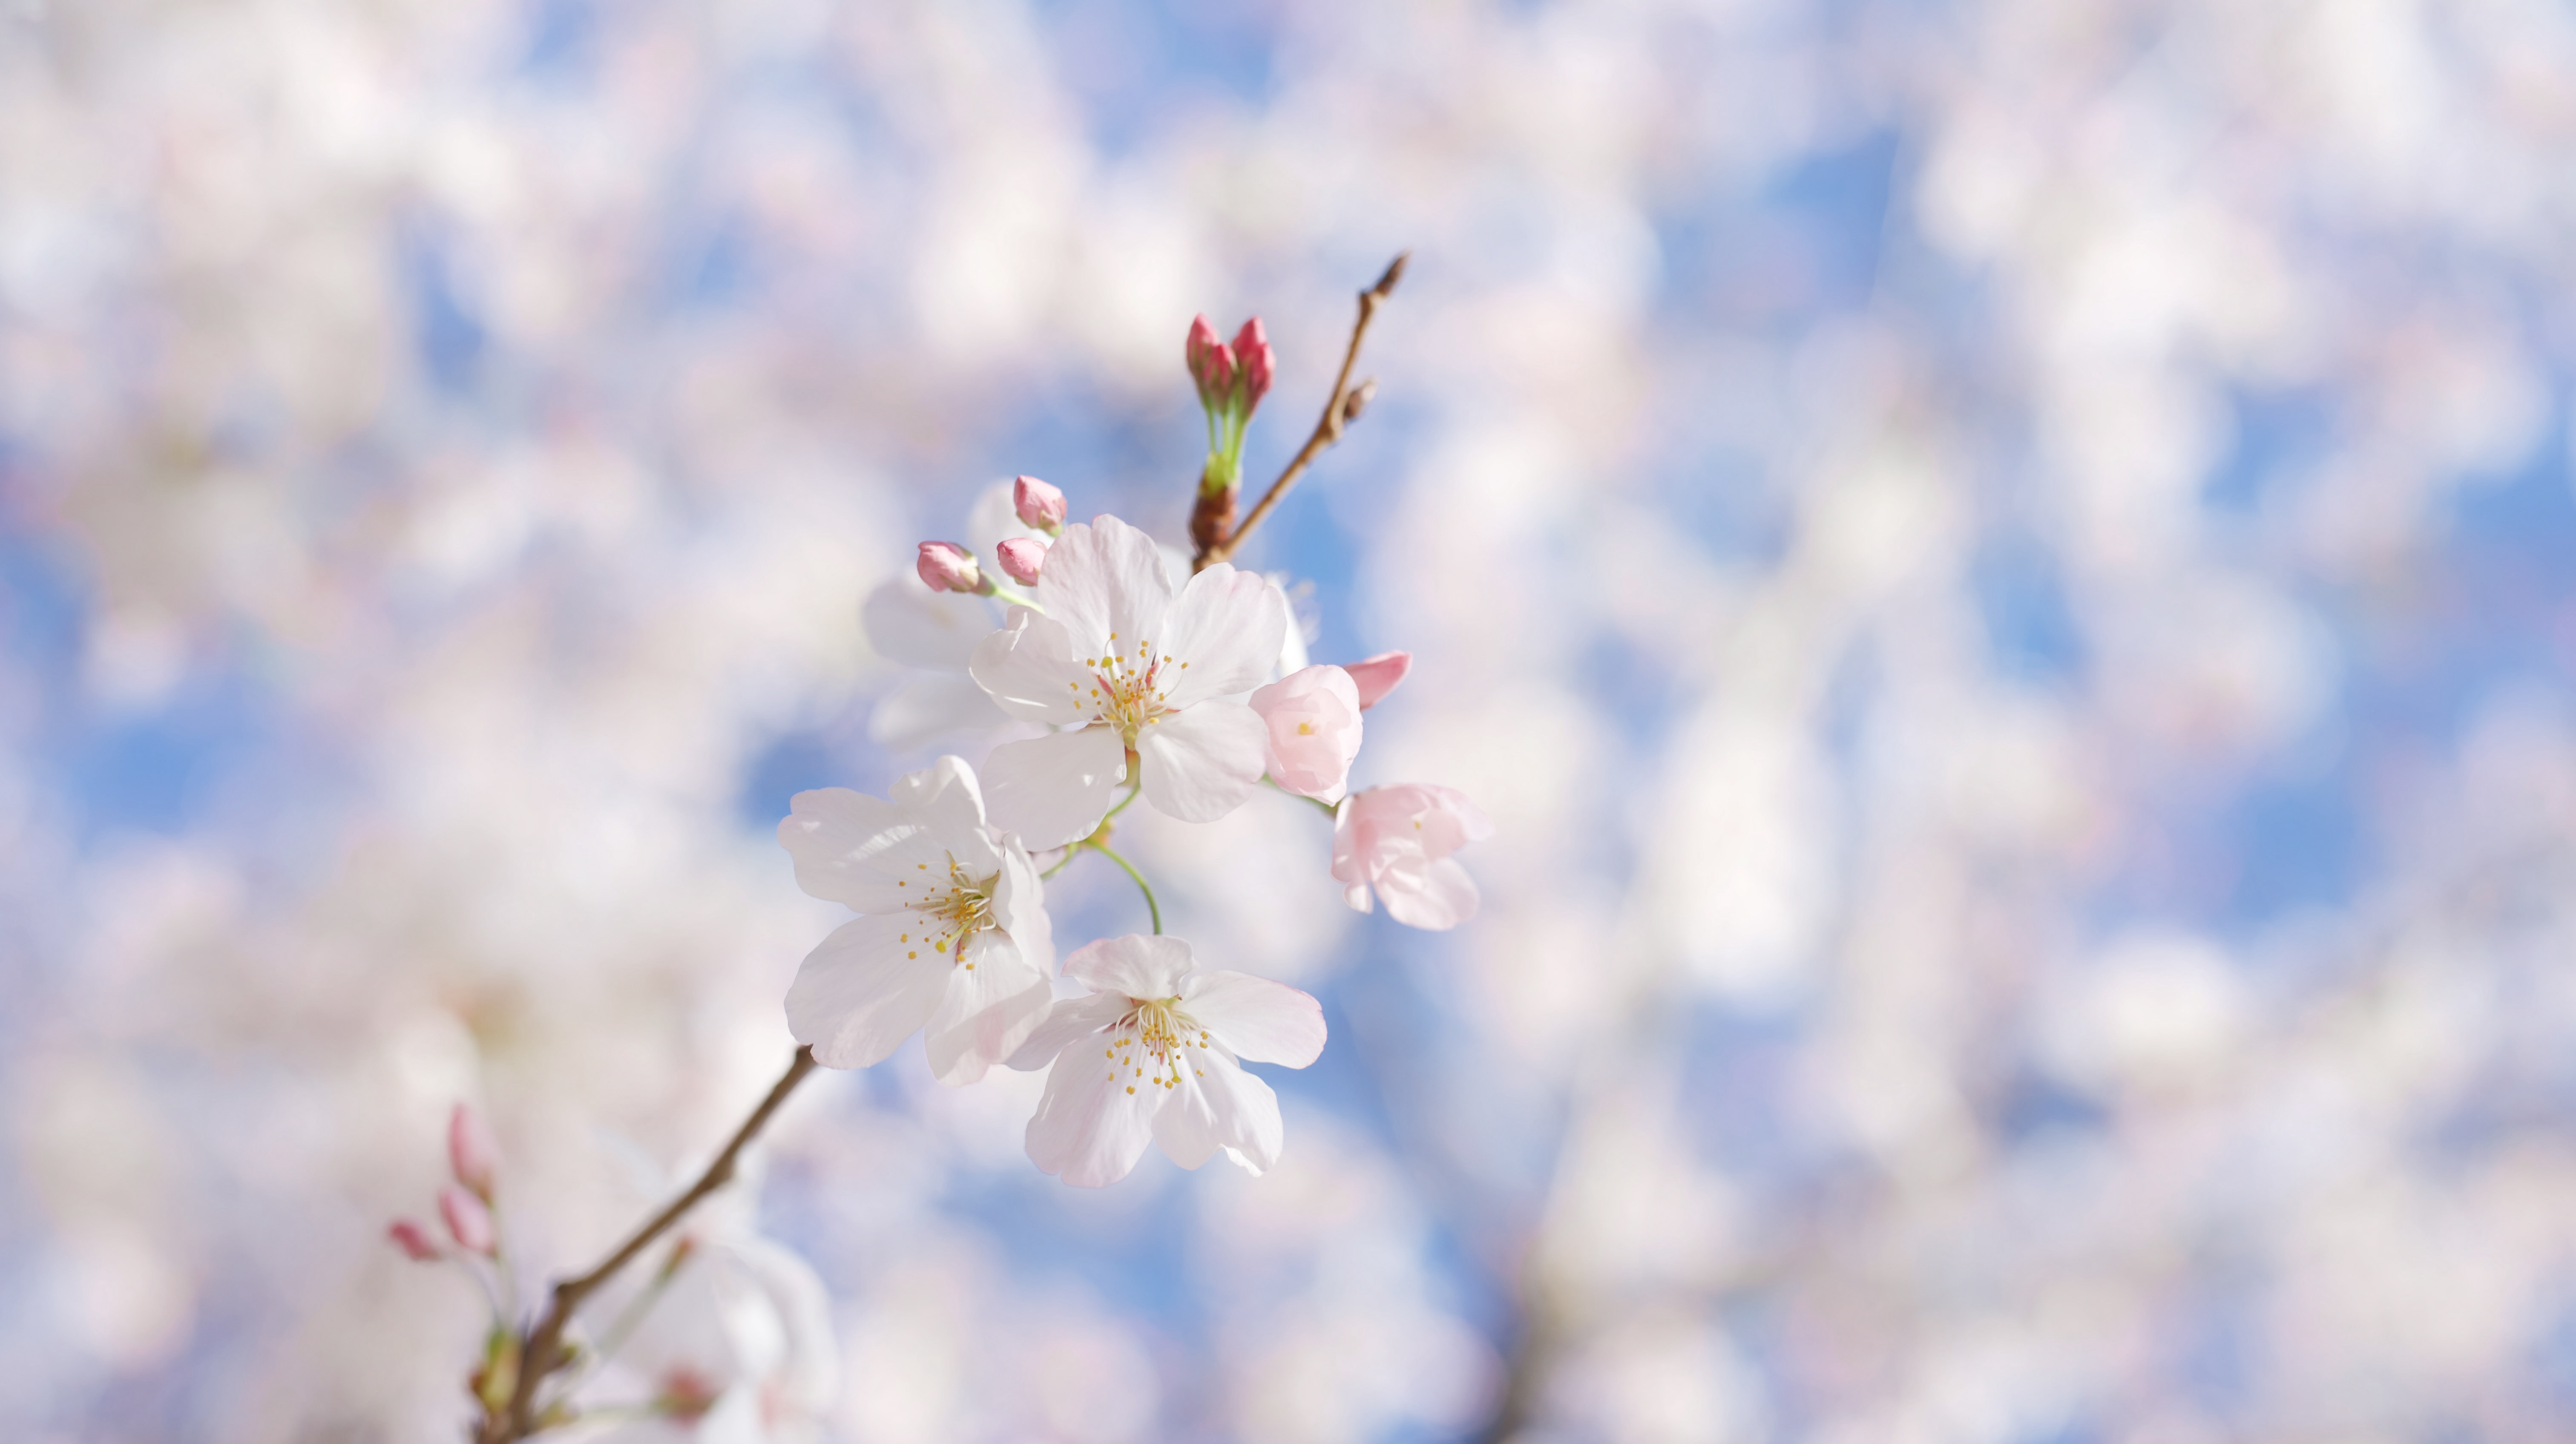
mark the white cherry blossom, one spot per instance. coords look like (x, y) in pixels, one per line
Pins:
(955, 936)
(1127, 663)
(1169, 1037)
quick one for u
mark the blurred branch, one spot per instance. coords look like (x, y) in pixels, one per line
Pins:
(1340, 409)
(541, 1351)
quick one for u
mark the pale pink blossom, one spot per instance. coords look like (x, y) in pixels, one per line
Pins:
(471, 1154)
(1398, 840)
(954, 938)
(933, 632)
(948, 567)
(1128, 664)
(734, 1345)
(1022, 558)
(468, 1221)
(1169, 1036)
(1037, 504)
(1313, 717)
(1378, 675)
(412, 1237)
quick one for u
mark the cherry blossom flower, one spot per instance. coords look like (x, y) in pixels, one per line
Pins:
(954, 937)
(1169, 1036)
(734, 1347)
(1398, 840)
(1132, 667)
(1313, 721)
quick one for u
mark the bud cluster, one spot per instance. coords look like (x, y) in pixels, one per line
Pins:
(1232, 377)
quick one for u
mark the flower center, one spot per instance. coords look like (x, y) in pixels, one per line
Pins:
(949, 919)
(1147, 1044)
(1130, 692)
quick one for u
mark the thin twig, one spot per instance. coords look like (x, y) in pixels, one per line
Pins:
(542, 1352)
(1340, 409)
(1151, 906)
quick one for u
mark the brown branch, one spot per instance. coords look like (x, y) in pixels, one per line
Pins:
(541, 1351)
(1340, 409)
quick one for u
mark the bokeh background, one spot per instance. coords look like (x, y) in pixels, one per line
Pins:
(2006, 571)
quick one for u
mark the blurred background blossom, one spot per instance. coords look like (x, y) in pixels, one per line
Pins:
(2001, 569)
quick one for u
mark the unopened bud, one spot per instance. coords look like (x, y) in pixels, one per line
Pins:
(948, 567)
(468, 1221)
(1202, 345)
(412, 1237)
(1357, 399)
(471, 1154)
(1378, 675)
(1021, 558)
(1252, 352)
(1039, 505)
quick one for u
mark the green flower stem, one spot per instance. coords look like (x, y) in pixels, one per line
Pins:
(1124, 866)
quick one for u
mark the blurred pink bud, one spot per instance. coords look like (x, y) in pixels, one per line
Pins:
(686, 1394)
(1202, 345)
(948, 567)
(1252, 350)
(1220, 377)
(1039, 505)
(1313, 721)
(1378, 675)
(1021, 557)
(471, 1154)
(468, 1221)
(1397, 840)
(414, 1240)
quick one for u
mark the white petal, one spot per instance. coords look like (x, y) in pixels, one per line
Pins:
(1019, 905)
(1200, 764)
(945, 797)
(1069, 1023)
(1444, 898)
(864, 990)
(933, 709)
(1258, 1019)
(909, 623)
(1028, 669)
(995, 999)
(1226, 626)
(1053, 790)
(1093, 1121)
(1106, 580)
(1136, 966)
(1357, 895)
(1218, 1105)
(849, 846)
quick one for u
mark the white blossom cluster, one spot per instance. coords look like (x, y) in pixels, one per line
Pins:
(1999, 568)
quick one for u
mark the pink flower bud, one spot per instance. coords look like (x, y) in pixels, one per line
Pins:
(1039, 505)
(1202, 345)
(948, 567)
(1220, 374)
(471, 1154)
(1021, 558)
(468, 1221)
(1378, 675)
(414, 1240)
(1252, 352)
(1312, 718)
